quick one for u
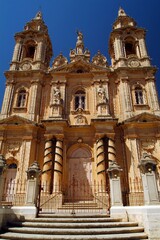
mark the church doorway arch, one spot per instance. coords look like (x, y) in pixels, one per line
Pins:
(80, 175)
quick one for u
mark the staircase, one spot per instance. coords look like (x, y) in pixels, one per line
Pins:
(73, 227)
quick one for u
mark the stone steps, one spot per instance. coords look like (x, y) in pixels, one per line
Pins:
(73, 227)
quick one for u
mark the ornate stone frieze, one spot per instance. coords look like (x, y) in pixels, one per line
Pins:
(100, 60)
(59, 61)
(80, 120)
(13, 147)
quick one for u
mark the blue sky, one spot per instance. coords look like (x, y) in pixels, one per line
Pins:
(63, 17)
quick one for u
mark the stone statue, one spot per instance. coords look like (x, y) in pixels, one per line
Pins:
(56, 95)
(79, 36)
(102, 94)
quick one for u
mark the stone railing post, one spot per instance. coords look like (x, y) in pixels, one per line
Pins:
(147, 167)
(33, 182)
(3, 166)
(114, 171)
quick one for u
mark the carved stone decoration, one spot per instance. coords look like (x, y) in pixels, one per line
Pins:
(25, 66)
(33, 171)
(59, 61)
(134, 63)
(148, 145)
(114, 170)
(147, 164)
(100, 60)
(80, 52)
(80, 120)
(13, 147)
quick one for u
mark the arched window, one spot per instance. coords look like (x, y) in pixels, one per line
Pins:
(12, 166)
(21, 99)
(130, 49)
(30, 52)
(80, 100)
(139, 96)
(130, 46)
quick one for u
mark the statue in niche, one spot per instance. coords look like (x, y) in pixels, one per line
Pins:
(56, 95)
(102, 95)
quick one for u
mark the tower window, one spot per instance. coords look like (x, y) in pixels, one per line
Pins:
(80, 99)
(21, 101)
(30, 52)
(130, 49)
(139, 95)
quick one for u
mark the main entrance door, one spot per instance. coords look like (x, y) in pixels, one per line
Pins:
(80, 175)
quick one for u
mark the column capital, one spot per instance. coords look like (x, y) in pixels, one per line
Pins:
(99, 136)
(48, 137)
(59, 136)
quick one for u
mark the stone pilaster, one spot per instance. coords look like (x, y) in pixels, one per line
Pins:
(153, 99)
(39, 53)
(126, 97)
(143, 49)
(8, 99)
(16, 54)
(35, 101)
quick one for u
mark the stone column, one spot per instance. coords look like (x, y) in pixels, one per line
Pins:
(111, 151)
(3, 166)
(58, 165)
(148, 167)
(47, 174)
(33, 184)
(101, 165)
(115, 185)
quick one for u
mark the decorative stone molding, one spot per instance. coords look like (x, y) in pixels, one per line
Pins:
(13, 147)
(33, 171)
(100, 60)
(147, 164)
(114, 170)
(59, 61)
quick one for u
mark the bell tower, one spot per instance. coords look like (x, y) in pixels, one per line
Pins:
(127, 45)
(135, 76)
(24, 79)
(33, 49)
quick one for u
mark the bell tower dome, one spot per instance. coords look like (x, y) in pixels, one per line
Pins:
(127, 45)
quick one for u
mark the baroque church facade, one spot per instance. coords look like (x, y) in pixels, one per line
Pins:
(79, 119)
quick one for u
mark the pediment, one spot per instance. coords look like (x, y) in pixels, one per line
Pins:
(16, 120)
(143, 117)
(80, 66)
